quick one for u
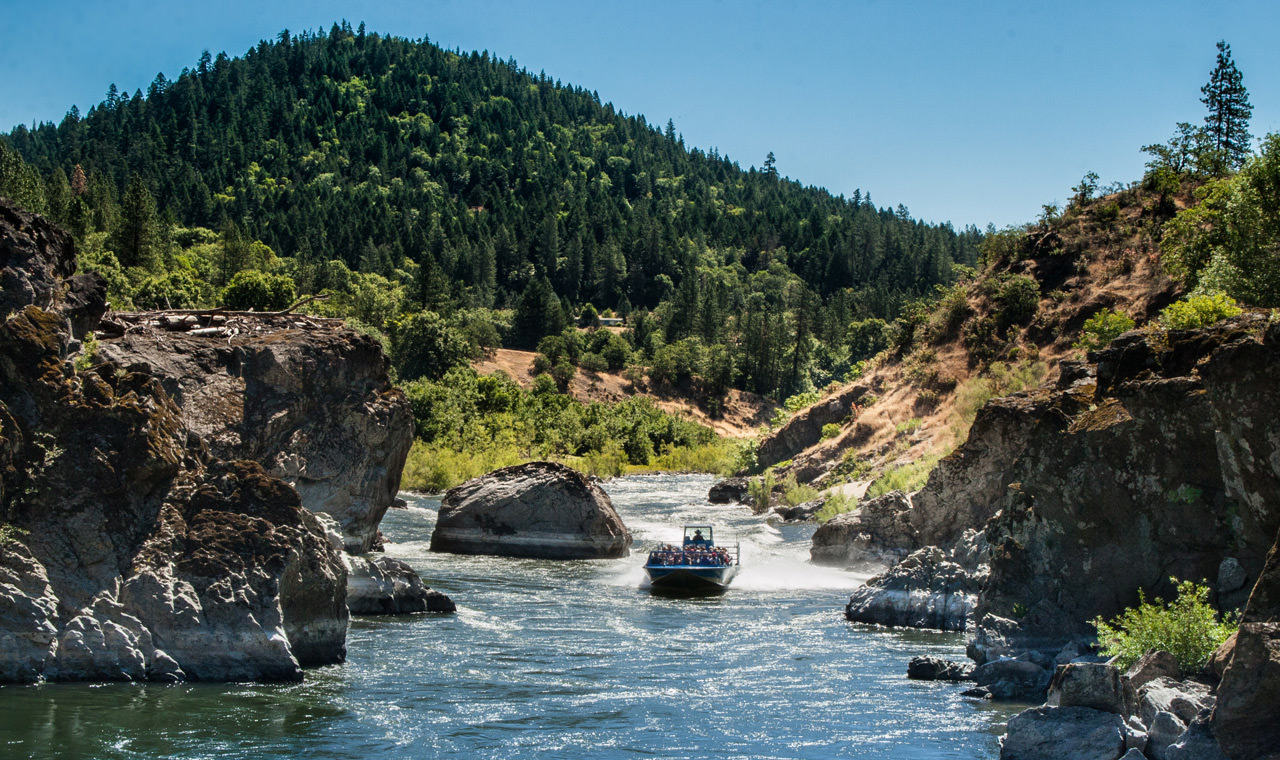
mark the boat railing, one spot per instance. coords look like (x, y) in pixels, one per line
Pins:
(700, 556)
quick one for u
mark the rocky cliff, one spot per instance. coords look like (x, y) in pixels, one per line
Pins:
(153, 487)
(314, 406)
(128, 550)
(1160, 459)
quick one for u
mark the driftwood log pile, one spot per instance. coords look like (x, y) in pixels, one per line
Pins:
(217, 322)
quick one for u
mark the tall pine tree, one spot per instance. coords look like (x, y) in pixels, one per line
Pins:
(137, 237)
(1227, 123)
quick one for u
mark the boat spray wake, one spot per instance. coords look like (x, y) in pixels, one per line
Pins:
(774, 557)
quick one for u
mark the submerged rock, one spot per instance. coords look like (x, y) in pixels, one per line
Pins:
(382, 585)
(539, 509)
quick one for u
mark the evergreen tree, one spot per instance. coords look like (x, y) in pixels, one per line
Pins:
(1227, 99)
(538, 313)
(492, 187)
(137, 235)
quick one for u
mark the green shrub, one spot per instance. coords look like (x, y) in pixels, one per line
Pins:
(907, 478)
(1200, 310)
(836, 504)
(868, 337)
(795, 494)
(174, 290)
(761, 491)
(423, 345)
(1002, 247)
(1017, 300)
(251, 289)
(1000, 379)
(1188, 628)
(593, 362)
(721, 456)
(801, 400)
(1102, 328)
(88, 352)
(908, 426)
(10, 533)
(830, 430)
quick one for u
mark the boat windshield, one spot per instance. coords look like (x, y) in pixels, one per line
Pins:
(697, 535)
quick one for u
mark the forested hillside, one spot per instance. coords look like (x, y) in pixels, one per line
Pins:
(404, 177)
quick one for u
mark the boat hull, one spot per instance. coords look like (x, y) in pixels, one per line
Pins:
(690, 578)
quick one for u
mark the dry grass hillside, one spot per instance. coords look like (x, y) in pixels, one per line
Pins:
(742, 415)
(1008, 328)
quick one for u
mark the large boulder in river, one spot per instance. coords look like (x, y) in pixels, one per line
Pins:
(878, 531)
(538, 509)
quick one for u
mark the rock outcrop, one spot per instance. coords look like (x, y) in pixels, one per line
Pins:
(315, 407)
(730, 490)
(539, 509)
(128, 551)
(928, 589)
(928, 668)
(1092, 711)
(1163, 462)
(1245, 719)
(382, 585)
(805, 429)
(879, 531)
(1068, 733)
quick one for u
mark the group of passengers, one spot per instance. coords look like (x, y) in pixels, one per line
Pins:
(704, 556)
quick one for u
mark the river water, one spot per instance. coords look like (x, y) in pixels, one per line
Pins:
(562, 660)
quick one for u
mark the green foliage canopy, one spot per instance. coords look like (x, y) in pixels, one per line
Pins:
(251, 289)
(1230, 241)
(1102, 328)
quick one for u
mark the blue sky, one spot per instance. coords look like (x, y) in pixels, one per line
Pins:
(970, 112)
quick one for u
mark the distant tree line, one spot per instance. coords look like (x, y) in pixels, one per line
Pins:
(406, 178)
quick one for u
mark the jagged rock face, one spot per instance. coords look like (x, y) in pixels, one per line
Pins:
(37, 266)
(880, 530)
(805, 429)
(314, 407)
(131, 553)
(928, 589)
(1249, 694)
(1088, 494)
(539, 509)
